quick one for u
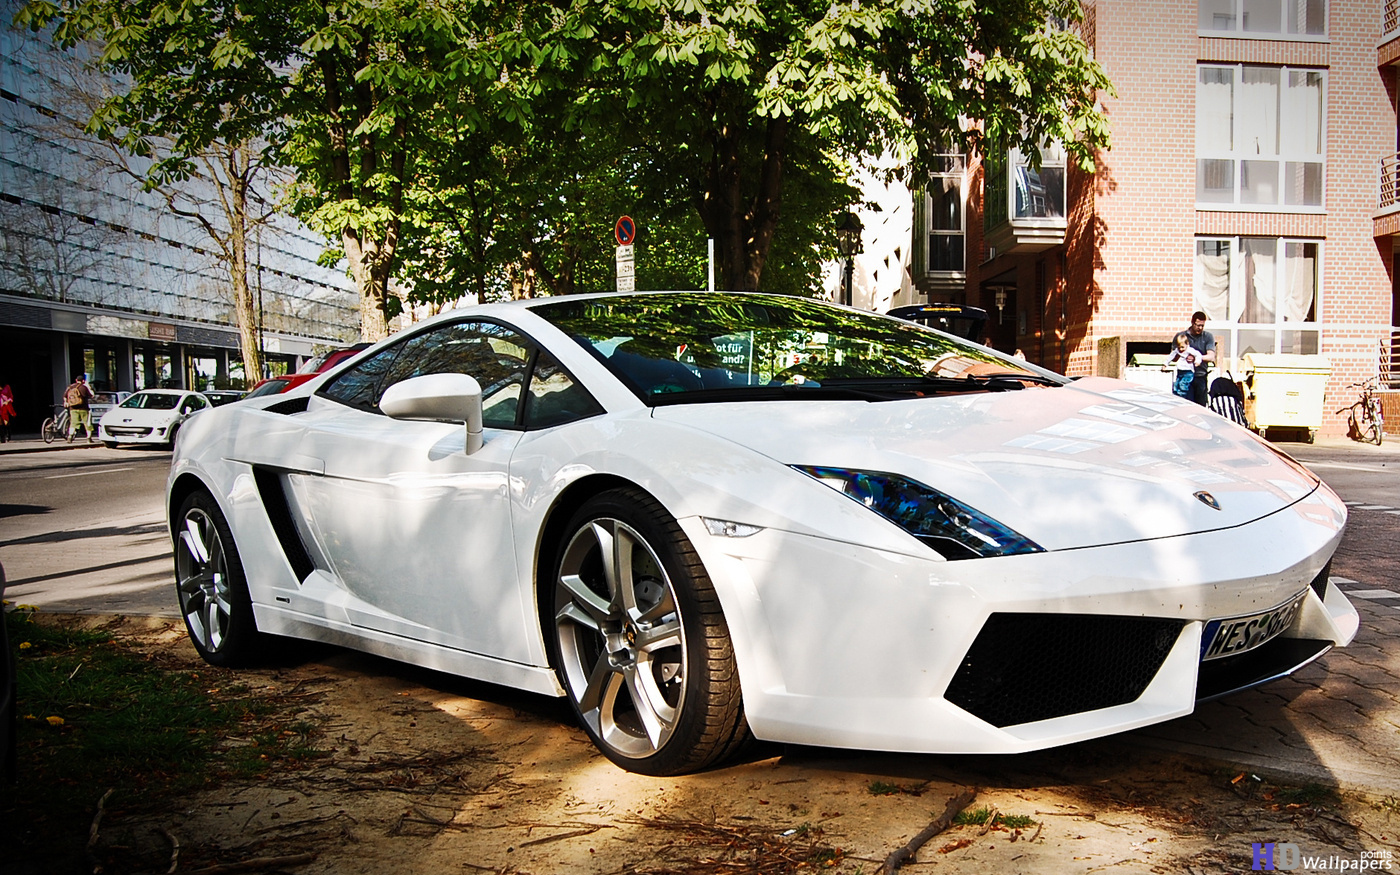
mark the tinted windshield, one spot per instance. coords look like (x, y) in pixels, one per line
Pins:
(716, 346)
(152, 401)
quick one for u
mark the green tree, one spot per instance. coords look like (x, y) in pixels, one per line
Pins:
(753, 108)
(478, 141)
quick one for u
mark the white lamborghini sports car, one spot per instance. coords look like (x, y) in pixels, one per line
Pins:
(708, 517)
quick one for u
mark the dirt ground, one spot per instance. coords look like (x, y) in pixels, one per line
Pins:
(424, 772)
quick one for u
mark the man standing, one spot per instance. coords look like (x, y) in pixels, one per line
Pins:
(76, 398)
(1203, 342)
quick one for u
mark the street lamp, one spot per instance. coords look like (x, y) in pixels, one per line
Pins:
(848, 244)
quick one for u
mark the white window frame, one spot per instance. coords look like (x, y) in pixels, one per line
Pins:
(1237, 31)
(1230, 327)
(957, 172)
(1239, 153)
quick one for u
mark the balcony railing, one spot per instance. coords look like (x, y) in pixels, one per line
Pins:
(1390, 24)
(1389, 200)
(1389, 355)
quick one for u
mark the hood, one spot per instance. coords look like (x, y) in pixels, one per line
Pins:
(1095, 462)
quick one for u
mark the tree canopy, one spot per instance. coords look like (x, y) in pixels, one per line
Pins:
(486, 146)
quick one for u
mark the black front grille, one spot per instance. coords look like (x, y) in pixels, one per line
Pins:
(1028, 667)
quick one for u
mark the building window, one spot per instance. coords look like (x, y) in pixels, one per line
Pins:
(1266, 19)
(1040, 194)
(1259, 137)
(1259, 294)
(946, 215)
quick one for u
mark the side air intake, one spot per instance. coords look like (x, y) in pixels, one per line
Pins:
(279, 513)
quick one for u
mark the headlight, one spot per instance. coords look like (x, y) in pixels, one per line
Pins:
(951, 528)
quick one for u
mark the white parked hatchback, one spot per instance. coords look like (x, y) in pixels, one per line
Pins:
(151, 416)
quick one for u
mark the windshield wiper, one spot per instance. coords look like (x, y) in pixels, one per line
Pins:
(807, 392)
(1021, 376)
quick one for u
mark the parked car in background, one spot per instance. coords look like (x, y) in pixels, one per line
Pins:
(103, 401)
(274, 385)
(320, 364)
(958, 320)
(220, 397)
(151, 416)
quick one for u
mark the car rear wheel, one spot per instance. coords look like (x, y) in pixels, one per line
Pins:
(640, 642)
(213, 592)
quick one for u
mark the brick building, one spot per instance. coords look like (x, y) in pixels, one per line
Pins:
(1252, 176)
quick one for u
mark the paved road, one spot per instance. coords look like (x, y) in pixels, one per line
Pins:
(83, 531)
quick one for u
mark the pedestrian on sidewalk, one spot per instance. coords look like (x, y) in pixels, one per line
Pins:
(76, 398)
(1203, 342)
(7, 411)
(1184, 359)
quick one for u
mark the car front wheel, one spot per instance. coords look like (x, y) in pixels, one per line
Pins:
(213, 592)
(640, 642)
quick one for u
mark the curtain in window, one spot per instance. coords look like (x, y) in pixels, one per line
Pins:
(1215, 101)
(1302, 111)
(1258, 106)
(1257, 259)
(1300, 282)
(1213, 278)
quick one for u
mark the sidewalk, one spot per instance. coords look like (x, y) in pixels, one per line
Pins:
(32, 443)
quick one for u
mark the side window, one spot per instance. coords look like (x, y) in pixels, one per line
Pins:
(493, 354)
(359, 386)
(554, 398)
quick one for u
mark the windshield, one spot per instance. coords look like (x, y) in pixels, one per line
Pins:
(152, 401)
(702, 346)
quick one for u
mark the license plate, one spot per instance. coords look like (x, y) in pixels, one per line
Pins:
(1235, 635)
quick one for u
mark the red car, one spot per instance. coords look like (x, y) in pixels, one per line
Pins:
(322, 362)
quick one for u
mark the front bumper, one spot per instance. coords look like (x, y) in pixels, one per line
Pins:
(845, 646)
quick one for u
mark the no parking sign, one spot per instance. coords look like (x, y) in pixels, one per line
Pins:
(626, 231)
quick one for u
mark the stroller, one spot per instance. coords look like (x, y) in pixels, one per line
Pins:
(1227, 399)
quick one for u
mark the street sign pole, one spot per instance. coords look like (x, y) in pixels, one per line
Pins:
(626, 232)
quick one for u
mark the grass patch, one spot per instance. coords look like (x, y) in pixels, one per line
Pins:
(98, 713)
(1308, 794)
(980, 816)
(882, 788)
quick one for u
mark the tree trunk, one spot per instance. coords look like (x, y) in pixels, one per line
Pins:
(371, 281)
(246, 317)
(743, 227)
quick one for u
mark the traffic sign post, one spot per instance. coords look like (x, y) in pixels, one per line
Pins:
(626, 233)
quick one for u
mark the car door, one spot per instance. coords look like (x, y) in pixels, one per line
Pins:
(416, 531)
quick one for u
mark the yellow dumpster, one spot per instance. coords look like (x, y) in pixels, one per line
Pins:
(1286, 390)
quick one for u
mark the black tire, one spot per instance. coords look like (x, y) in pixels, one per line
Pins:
(170, 440)
(647, 665)
(211, 587)
(111, 445)
(49, 430)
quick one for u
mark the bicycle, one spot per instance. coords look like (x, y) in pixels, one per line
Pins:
(1365, 418)
(55, 426)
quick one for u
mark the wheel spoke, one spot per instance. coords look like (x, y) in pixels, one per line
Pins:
(655, 713)
(193, 539)
(623, 582)
(603, 676)
(668, 634)
(667, 605)
(585, 601)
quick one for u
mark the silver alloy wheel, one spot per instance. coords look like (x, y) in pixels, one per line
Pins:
(621, 640)
(201, 570)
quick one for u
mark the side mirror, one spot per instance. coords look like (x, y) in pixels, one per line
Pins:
(438, 398)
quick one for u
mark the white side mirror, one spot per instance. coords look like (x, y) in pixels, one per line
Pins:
(438, 398)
